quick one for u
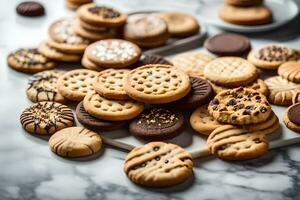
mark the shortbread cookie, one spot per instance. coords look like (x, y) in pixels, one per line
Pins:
(147, 59)
(180, 24)
(158, 164)
(29, 61)
(45, 118)
(157, 124)
(109, 84)
(112, 110)
(230, 72)
(292, 117)
(240, 106)
(75, 84)
(88, 64)
(157, 84)
(231, 143)
(272, 56)
(113, 53)
(43, 87)
(192, 63)
(254, 15)
(30, 9)
(244, 2)
(75, 142)
(281, 90)
(290, 71)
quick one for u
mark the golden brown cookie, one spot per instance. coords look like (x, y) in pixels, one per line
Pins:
(244, 2)
(290, 71)
(88, 64)
(292, 116)
(158, 164)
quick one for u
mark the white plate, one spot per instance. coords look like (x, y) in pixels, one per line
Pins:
(283, 12)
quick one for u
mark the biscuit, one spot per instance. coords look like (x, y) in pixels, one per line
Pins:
(158, 164)
(29, 61)
(75, 84)
(112, 110)
(90, 27)
(30, 9)
(157, 84)
(147, 59)
(88, 64)
(45, 118)
(43, 87)
(230, 72)
(291, 117)
(75, 142)
(290, 71)
(244, 2)
(240, 106)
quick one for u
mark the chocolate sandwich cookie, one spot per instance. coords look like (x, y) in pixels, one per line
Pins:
(30, 9)
(157, 124)
(292, 117)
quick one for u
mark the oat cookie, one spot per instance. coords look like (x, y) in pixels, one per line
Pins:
(45, 118)
(158, 164)
(292, 116)
(113, 110)
(157, 84)
(290, 71)
(75, 84)
(240, 106)
(75, 142)
(244, 2)
(230, 71)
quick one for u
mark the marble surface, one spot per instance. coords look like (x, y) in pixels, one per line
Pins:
(30, 171)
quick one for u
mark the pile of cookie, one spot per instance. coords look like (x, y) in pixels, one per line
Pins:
(75, 4)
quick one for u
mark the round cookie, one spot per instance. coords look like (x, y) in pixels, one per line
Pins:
(147, 59)
(45, 118)
(29, 61)
(228, 44)
(90, 27)
(109, 84)
(180, 24)
(254, 15)
(290, 71)
(30, 9)
(281, 90)
(192, 63)
(113, 53)
(43, 87)
(272, 56)
(291, 117)
(157, 84)
(240, 106)
(244, 2)
(156, 124)
(230, 72)
(112, 110)
(75, 84)
(75, 142)
(86, 63)
(158, 164)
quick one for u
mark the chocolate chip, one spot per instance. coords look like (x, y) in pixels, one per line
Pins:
(256, 113)
(263, 109)
(143, 165)
(239, 96)
(234, 117)
(257, 140)
(247, 112)
(166, 161)
(155, 148)
(157, 158)
(249, 107)
(231, 102)
(215, 101)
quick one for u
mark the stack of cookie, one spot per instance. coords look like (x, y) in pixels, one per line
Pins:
(74, 4)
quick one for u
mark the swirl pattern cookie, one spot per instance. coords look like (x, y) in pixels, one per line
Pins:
(290, 71)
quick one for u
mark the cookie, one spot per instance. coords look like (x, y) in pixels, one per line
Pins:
(240, 106)
(290, 71)
(158, 164)
(254, 15)
(231, 143)
(272, 56)
(244, 2)
(291, 117)
(281, 90)
(45, 118)
(109, 84)
(180, 24)
(157, 84)
(101, 15)
(112, 110)
(228, 44)
(201, 93)
(146, 30)
(93, 123)
(74, 4)
(156, 124)
(230, 72)
(43, 87)
(192, 63)
(86, 63)
(30, 9)
(75, 84)
(146, 59)
(91, 28)
(75, 142)
(29, 61)
(113, 53)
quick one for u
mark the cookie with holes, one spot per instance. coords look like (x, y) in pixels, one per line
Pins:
(45, 118)
(112, 110)
(158, 164)
(157, 84)
(75, 84)
(156, 124)
(75, 142)
(113, 53)
(291, 117)
(290, 71)
(230, 72)
(43, 87)
(29, 61)
(109, 84)
(240, 106)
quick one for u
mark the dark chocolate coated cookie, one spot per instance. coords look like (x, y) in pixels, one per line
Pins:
(147, 59)
(30, 9)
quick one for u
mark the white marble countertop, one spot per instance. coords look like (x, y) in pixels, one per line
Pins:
(30, 171)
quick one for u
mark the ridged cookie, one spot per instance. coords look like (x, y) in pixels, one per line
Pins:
(290, 71)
